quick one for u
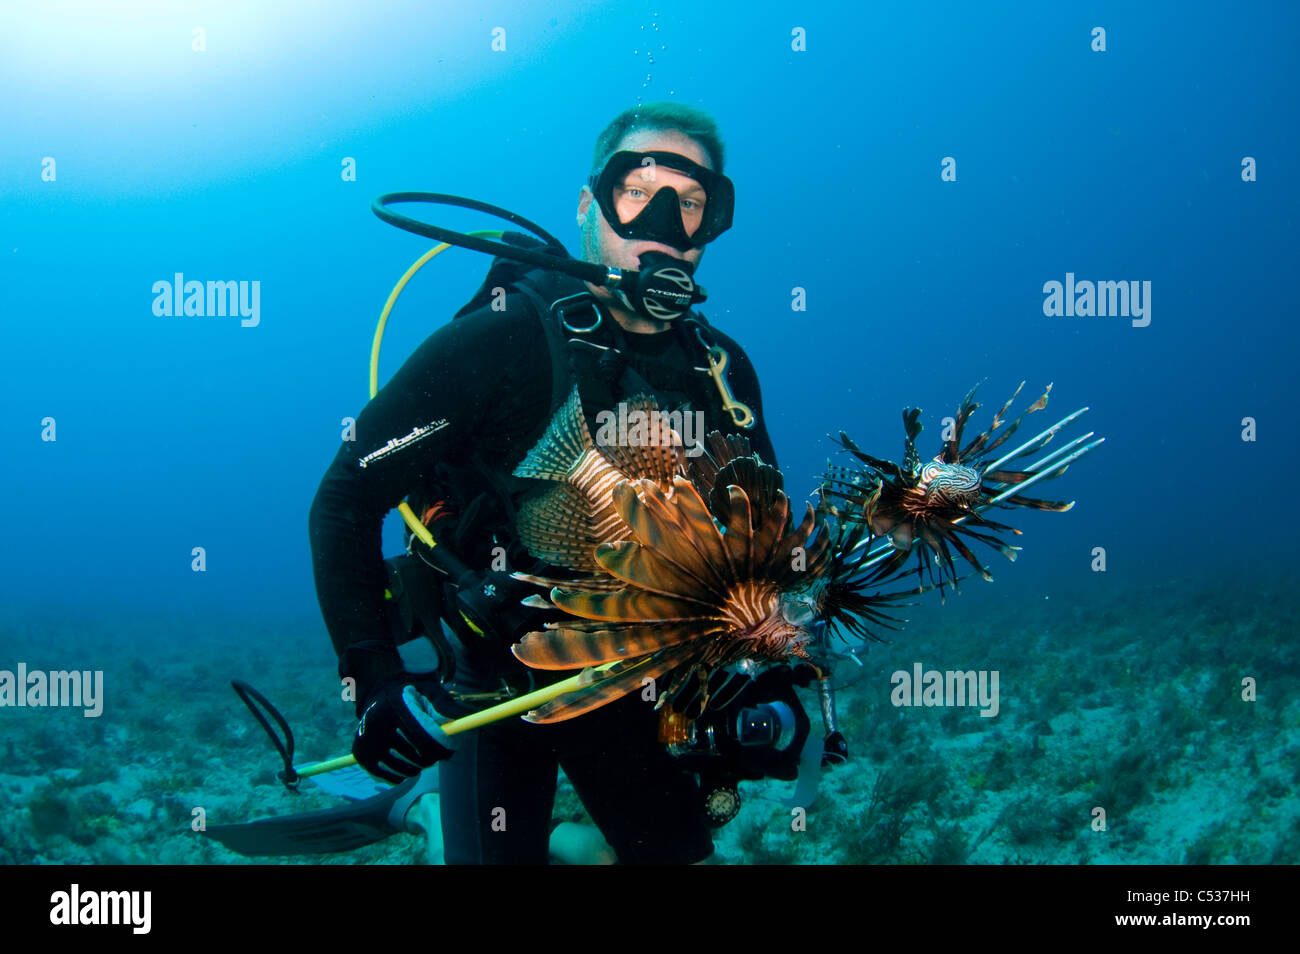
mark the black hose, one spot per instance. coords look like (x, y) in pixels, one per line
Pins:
(289, 777)
(587, 271)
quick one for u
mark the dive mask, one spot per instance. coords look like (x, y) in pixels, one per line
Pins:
(660, 219)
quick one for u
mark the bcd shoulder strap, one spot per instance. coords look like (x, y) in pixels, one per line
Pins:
(539, 287)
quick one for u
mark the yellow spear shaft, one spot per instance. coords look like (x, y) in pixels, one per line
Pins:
(500, 711)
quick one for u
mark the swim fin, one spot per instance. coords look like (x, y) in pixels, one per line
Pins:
(362, 822)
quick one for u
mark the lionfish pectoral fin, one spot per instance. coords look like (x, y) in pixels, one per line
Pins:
(682, 532)
(569, 647)
(565, 441)
(768, 533)
(608, 685)
(655, 524)
(781, 563)
(760, 482)
(557, 526)
(638, 566)
(628, 605)
(718, 451)
(724, 448)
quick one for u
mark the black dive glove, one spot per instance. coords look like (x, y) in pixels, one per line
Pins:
(399, 733)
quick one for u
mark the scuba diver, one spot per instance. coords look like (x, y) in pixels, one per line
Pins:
(447, 433)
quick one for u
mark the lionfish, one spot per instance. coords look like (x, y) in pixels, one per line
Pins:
(706, 573)
(564, 524)
(938, 502)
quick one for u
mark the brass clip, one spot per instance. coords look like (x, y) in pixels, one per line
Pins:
(740, 413)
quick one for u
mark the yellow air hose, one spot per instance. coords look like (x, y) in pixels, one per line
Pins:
(419, 529)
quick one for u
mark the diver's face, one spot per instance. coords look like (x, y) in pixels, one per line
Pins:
(602, 244)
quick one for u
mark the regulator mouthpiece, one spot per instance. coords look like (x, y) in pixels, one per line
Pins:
(663, 290)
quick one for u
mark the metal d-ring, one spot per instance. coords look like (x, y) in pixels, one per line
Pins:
(559, 308)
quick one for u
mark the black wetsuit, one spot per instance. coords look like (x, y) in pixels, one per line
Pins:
(460, 414)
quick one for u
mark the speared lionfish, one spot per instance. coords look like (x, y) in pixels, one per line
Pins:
(937, 502)
(704, 574)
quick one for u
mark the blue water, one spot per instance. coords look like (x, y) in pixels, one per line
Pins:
(224, 164)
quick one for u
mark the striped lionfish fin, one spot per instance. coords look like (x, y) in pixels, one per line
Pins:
(615, 683)
(556, 526)
(644, 569)
(658, 456)
(568, 648)
(630, 606)
(717, 452)
(565, 441)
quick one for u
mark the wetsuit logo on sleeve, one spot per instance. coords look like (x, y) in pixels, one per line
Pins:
(401, 443)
